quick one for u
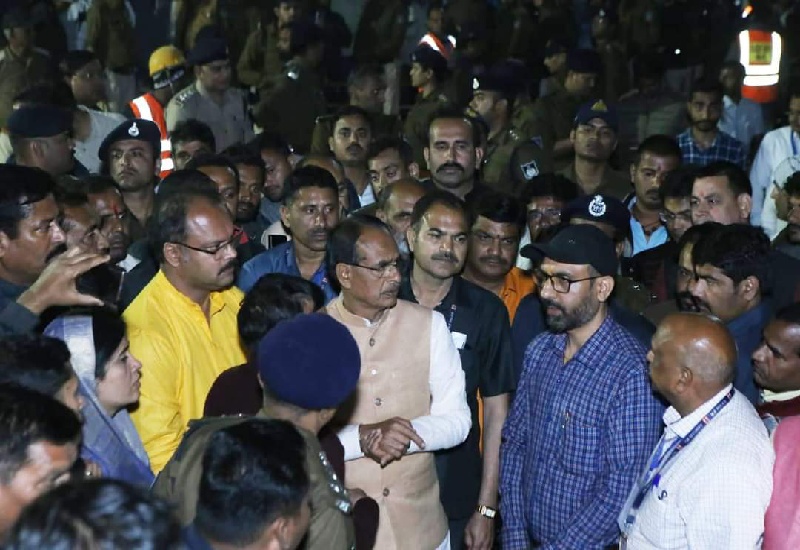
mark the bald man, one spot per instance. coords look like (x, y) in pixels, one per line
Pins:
(394, 206)
(709, 480)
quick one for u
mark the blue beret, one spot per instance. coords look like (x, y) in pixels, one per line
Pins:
(597, 109)
(39, 121)
(599, 208)
(135, 128)
(209, 46)
(311, 361)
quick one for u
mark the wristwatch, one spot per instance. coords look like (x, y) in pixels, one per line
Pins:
(485, 511)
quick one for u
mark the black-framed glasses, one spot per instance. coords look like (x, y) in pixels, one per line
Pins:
(216, 250)
(383, 270)
(560, 283)
(667, 216)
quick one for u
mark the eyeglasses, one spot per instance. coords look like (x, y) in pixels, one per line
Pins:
(215, 251)
(671, 217)
(383, 270)
(560, 284)
(550, 214)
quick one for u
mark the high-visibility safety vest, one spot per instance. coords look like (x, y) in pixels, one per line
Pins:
(147, 107)
(760, 54)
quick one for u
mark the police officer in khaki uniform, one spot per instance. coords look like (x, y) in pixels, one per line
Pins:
(612, 217)
(292, 107)
(261, 63)
(492, 99)
(210, 99)
(428, 73)
(366, 88)
(21, 65)
(554, 114)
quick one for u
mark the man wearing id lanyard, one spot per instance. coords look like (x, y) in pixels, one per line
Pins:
(479, 326)
(709, 480)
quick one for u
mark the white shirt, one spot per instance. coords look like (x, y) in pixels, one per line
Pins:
(743, 121)
(102, 124)
(775, 148)
(449, 421)
(715, 491)
(276, 229)
(367, 197)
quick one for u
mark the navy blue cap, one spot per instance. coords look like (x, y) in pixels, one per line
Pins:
(599, 208)
(34, 120)
(578, 245)
(209, 46)
(304, 33)
(311, 361)
(597, 108)
(429, 58)
(16, 18)
(496, 79)
(584, 61)
(135, 128)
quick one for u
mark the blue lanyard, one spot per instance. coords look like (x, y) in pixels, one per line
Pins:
(791, 139)
(659, 460)
(450, 318)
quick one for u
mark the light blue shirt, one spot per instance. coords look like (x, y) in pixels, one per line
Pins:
(640, 240)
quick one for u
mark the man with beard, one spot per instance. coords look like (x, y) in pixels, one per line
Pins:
(366, 89)
(703, 142)
(182, 325)
(275, 152)
(115, 218)
(479, 326)
(251, 169)
(497, 222)
(130, 154)
(35, 271)
(453, 153)
(788, 240)
(554, 114)
(351, 136)
(742, 118)
(584, 418)
(657, 156)
(394, 207)
(731, 281)
(225, 175)
(310, 210)
(410, 399)
(594, 139)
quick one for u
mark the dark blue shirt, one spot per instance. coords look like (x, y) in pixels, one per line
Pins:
(281, 259)
(746, 330)
(577, 437)
(529, 323)
(14, 318)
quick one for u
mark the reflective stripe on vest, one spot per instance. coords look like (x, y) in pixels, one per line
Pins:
(148, 108)
(760, 55)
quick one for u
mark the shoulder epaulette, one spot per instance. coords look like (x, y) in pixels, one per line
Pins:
(185, 94)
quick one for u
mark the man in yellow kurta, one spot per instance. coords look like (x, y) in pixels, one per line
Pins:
(182, 326)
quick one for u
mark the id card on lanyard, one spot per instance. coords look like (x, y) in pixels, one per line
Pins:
(659, 460)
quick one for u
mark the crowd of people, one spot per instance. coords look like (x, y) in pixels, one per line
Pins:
(412, 275)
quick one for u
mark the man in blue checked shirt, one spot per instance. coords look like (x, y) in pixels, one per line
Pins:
(703, 142)
(584, 419)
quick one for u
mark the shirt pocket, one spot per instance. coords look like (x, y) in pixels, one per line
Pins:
(580, 438)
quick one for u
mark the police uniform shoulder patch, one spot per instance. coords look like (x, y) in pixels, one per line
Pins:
(184, 95)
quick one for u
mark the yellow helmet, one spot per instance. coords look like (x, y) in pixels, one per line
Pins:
(165, 57)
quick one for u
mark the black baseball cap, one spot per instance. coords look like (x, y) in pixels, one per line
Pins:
(580, 245)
